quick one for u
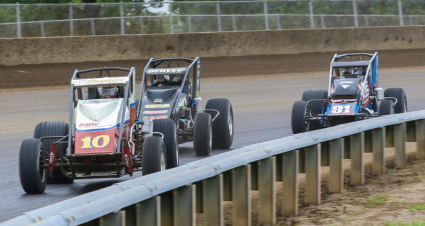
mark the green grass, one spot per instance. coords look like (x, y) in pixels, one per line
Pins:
(421, 207)
(377, 200)
(415, 223)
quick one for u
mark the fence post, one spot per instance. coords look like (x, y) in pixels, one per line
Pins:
(148, 212)
(189, 21)
(241, 193)
(18, 19)
(43, 33)
(234, 23)
(184, 202)
(378, 149)
(420, 139)
(400, 13)
(218, 16)
(267, 191)
(356, 21)
(266, 16)
(357, 164)
(113, 219)
(171, 22)
(336, 178)
(310, 5)
(400, 145)
(141, 25)
(122, 19)
(71, 21)
(290, 183)
(366, 20)
(322, 21)
(312, 175)
(93, 29)
(212, 189)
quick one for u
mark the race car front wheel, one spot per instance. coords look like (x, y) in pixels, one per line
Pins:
(316, 106)
(154, 155)
(203, 134)
(400, 95)
(223, 127)
(168, 128)
(385, 108)
(31, 157)
(298, 122)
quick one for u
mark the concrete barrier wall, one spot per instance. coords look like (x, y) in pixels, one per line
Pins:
(131, 47)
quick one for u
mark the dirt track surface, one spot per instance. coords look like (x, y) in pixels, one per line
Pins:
(262, 106)
(60, 74)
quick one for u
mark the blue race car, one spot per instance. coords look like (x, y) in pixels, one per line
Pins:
(352, 95)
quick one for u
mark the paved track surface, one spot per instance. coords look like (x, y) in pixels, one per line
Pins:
(262, 106)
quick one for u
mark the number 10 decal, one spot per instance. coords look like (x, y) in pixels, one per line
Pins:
(95, 142)
(341, 109)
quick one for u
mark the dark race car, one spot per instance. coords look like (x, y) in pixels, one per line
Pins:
(353, 94)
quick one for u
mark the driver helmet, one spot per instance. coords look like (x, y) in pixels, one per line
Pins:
(353, 71)
(107, 91)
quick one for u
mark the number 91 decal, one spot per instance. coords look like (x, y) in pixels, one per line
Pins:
(88, 142)
(341, 109)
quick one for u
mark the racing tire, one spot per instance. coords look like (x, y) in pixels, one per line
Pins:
(202, 140)
(154, 155)
(222, 126)
(400, 95)
(315, 107)
(31, 156)
(298, 122)
(385, 108)
(44, 129)
(168, 128)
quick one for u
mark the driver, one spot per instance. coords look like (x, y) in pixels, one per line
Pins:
(107, 91)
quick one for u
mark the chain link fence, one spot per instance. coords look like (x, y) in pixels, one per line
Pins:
(47, 20)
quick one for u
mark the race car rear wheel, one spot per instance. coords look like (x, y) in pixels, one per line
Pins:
(202, 140)
(223, 127)
(44, 129)
(400, 95)
(385, 108)
(31, 157)
(315, 107)
(298, 122)
(168, 128)
(154, 155)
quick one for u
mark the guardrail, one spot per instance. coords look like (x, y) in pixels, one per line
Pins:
(173, 197)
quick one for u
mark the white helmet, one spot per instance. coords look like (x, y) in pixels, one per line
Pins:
(107, 91)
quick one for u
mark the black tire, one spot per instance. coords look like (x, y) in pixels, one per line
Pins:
(44, 129)
(154, 155)
(223, 127)
(202, 140)
(385, 107)
(400, 95)
(31, 156)
(168, 128)
(315, 107)
(298, 122)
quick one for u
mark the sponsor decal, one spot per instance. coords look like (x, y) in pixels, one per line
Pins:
(166, 70)
(346, 82)
(81, 82)
(345, 86)
(341, 109)
(88, 142)
(157, 106)
(158, 117)
(90, 124)
(155, 112)
(158, 100)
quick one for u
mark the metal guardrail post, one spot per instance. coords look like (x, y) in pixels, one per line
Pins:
(266, 15)
(148, 212)
(356, 20)
(290, 183)
(420, 139)
(310, 6)
(113, 219)
(71, 20)
(312, 178)
(378, 147)
(227, 186)
(389, 136)
(212, 189)
(368, 142)
(241, 193)
(184, 201)
(357, 162)
(347, 154)
(279, 168)
(411, 131)
(254, 176)
(199, 197)
(400, 13)
(122, 19)
(301, 161)
(336, 177)
(167, 208)
(218, 16)
(324, 154)
(18, 20)
(267, 191)
(400, 145)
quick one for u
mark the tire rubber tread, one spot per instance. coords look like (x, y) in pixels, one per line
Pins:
(28, 164)
(385, 107)
(53, 129)
(400, 95)
(168, 128)
(222, 139)
(315, 107)
(151, 155)
(201, 133)
(298, 117)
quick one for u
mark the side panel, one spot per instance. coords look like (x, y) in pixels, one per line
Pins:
(93, 142)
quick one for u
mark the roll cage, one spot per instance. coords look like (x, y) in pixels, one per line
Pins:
(152, 69)
(77, 83)
(371, 64)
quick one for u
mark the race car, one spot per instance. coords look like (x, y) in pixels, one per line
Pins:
(168, 92)
(103, 139)
(353, 94)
